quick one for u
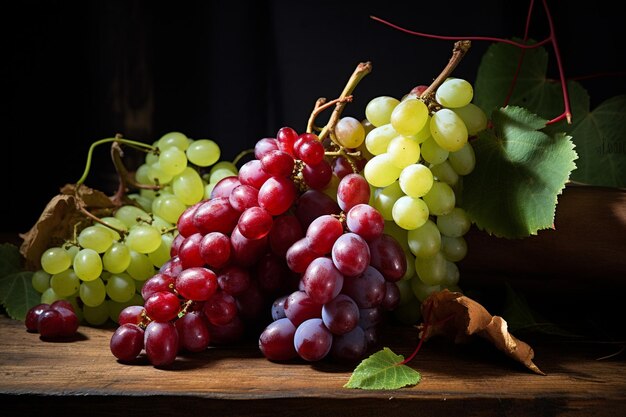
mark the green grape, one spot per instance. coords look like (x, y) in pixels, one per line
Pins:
(152, 156)
(115, 308)
(332, 186)
(88, 264)
(378, 139)
(349, 132)
(454, 92)
(404, 151)
(224, 165)
(143, 238)
(162, 253)
(55, 260)
(362, 148)
(203, 152)
(120, 287)
(445, 173)
(424, 133)
(431, 271)
(380, 171)
(65, 283)
(176, 139)
(453, 248)
(463, 161)
(400, 234)
(168, 207)
(455, 223)
(114, 223)
(425, 241)
(172, 161)
(208, 188)
(451, 279)
(448, 130)
(406, 292)
(474, 118)
(416, 180)
(378, 110)
(92, 293)
(142, 174)
(157, 175)
(422, 291)
(440, 199)
(40, 280)
(188, 186)
(71, 250)
(385, 198)
(49, 296)
(410, 212)
(162, 225)
(130, 215)
(219, 174)
(409, 117)
(432, 152)
(117, 258)
(410, 266)
(149, 195)
(97, 238)
(140, 267)
(141, 201)
(97, 315)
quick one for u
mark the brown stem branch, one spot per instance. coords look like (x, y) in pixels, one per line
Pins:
(361, 71)
(458, 52)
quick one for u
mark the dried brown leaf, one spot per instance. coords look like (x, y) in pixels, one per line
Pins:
(455, 316)
(58, 221)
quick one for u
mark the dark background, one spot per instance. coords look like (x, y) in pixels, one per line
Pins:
(236, 71)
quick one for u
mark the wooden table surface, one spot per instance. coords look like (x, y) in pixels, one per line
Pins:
(82, 376)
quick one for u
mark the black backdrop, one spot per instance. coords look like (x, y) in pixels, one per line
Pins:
(235, 71)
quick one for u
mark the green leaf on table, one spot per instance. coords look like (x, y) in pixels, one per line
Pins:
(17, 294)
(600, 139)
(10, 260)
(520, 171)
(599, 135)
(383, 370)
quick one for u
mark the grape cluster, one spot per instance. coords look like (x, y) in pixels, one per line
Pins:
(270, 243)
(348, 271)
(104, 268)
(419, 159)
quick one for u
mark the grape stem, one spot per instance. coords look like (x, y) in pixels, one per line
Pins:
(320, 106)
(117, 138)
(458, 52)
(125, 179)
(361, 71)
(424, 331)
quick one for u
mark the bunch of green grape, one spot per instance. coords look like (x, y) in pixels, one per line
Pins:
(103, 268)
(179, 168)
(419, 159)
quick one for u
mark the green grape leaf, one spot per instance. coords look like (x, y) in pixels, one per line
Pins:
(18, 295)
(600, 139)
(520, 171)
(10, 260)
(382, 370)
(599, 135)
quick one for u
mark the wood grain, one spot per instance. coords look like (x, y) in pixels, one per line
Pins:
(81, 376)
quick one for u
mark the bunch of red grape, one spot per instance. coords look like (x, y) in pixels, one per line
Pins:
(271, 252)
